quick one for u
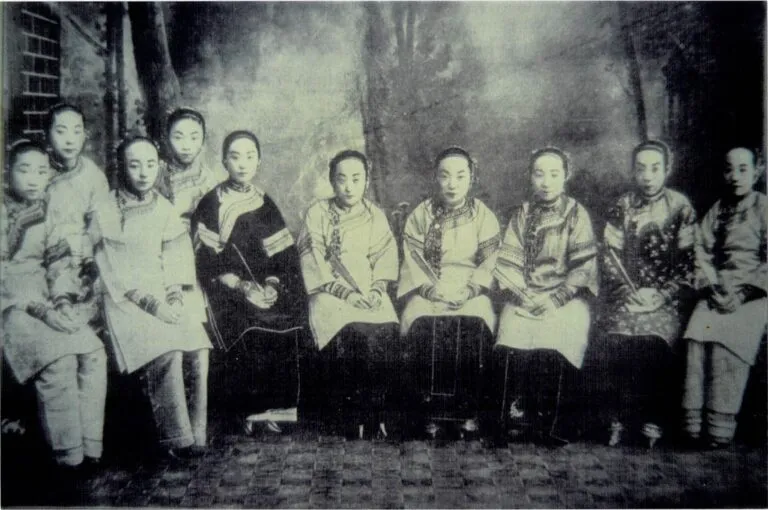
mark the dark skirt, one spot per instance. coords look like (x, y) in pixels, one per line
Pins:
(357, 373)
(264, 370)
(633, 379)
(446, 361)
(534, 391)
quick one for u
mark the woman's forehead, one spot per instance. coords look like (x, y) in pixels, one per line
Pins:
(549, 160)
(453, 163)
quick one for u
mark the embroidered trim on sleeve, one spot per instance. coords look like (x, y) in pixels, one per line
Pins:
(278, 242)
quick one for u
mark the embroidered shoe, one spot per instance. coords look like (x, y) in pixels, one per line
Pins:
(616, 429)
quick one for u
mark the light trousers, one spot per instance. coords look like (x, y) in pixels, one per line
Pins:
(71, 393)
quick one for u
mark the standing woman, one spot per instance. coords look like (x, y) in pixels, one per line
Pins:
(145, 259)
(729, 322)
(647, 269)
(450, 246)
(348, 257)
(46, 340)
(184, 179)
(547, 268)
(249, 269)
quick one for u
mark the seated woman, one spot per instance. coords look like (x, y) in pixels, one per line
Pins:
(46, 339)
(348, 257)
(546, 267)
(450, 244)
(145, 259)
(249, 270)
(724, 333)
(647, 268)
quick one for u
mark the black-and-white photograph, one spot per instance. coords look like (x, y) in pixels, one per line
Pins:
(384, 254)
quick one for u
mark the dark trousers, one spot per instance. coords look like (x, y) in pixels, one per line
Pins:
(357, 374)
(634, 379)
(540, 383)
(447, 360)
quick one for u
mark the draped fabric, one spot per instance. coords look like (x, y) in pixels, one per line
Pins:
(29, 344)
(142, 246)
(243, 233)
(654, 240)
(359, 242)
(731, 252)
(548, 249)
(469, 241)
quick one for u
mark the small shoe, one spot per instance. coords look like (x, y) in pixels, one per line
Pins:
(616, 429)
(382, 434)
(652, 433)
(187, 453)
(433, 430)
(273, 427)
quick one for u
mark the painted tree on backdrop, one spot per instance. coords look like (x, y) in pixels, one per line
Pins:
(421, 72)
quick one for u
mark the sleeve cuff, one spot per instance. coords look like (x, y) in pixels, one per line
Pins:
(562, 295)
(37, 310)
(338, 290)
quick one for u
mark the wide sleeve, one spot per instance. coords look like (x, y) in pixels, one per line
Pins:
(682, 256)
(178, 262)
(282, 265)
(383, 251)
(614, 285)
(706, 274)
(760, 275)
(509, 270)
(582, 252)
(315, 269)
(206, 242)
(111, 253)
(7, 297)
(488, 241)
(412, 276)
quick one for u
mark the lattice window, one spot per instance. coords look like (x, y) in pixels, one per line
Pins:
(40, 69)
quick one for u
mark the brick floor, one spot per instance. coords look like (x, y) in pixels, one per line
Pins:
(309, 470)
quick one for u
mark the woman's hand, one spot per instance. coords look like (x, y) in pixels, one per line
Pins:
(168, 313)
(230, 280)
(258, 298)
(57, 321)
(270, 294)
(541, 305)
(724, 302)
(358, 301)
(459, 297)
(646, 299)
(374, 299)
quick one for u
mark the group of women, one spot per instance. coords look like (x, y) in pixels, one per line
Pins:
(459, 324)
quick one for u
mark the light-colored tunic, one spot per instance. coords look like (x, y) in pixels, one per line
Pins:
(144, 246)
(470, 242)
(29, 344)
(363, 242)
(544, 249)
(731, 251)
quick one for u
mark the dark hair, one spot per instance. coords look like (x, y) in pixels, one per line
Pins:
(333, 165)
(236, 135)
(56, 109)
(20, 147)
(658, 146)
(184, 113)
(122, 169)
(455, 150)
(550, 150)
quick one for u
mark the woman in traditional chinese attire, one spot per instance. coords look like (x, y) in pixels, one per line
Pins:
(450, 242)
(547, 269)
(146, 261)
(249, 269)
(647, 268)
(75, 192)
(47, 341)
(725, 331)
(348, 258)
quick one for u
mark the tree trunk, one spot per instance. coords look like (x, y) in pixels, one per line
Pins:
(153, 63)
(635, 79)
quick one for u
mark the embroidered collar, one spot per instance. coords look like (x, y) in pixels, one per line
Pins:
(441, 211)
(238, 187)
(61, 168)
(347, 211)
(640, 200)
(739, 204)
(558, 204)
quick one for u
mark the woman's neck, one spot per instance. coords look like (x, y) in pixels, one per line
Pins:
(240, 187)
(68, 165)
(138, 195)
(546, 203)
(455, 206)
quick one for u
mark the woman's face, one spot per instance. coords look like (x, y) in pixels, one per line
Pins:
(740, 171)
(455, 178)
(349, 181)
(650, 171)
(548, 177)
(67, 135)
(141, 164)
(186, 139)
(242, 160)
(30, 174)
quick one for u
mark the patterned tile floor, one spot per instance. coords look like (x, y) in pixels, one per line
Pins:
(305, 469)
